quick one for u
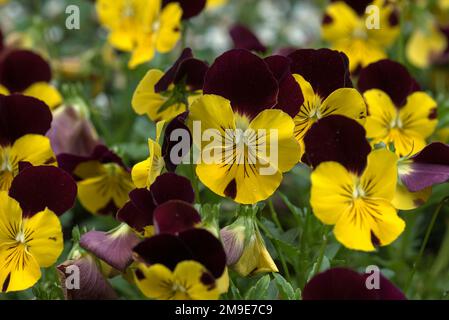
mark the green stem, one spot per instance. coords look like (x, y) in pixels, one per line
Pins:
(424, 243)
(274, 215)
(322, 250)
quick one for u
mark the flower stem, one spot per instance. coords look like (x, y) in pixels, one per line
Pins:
(274, 215)
(322, 250)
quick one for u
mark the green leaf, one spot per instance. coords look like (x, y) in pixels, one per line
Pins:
(285, 288)
(258, 291)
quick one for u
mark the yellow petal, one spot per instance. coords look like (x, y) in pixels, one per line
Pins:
(144, 173)
(154, 281)
(10, 218)
(170, 27)
(190, 274)
(344, 21)
(381, 113)
(3, 90)
(346, 102)
(45, 92)
(406, 200)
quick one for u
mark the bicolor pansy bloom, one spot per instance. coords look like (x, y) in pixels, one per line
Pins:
(362, 31)
(325, 82)
(249, 103)
(163, 96)
(26, 72)
(188, 266)
(30, 232)
(141, 27)
(351, 191)
(346, 284)
(103, 179)
(399, 113)
(23, 124)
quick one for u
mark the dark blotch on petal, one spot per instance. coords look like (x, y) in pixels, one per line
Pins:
(327, 19)
(243, 78)
(359, 6)
(170, 186)
(244, 38)
(231, 189)
(21, 68)
(393, 19)
(174, 217)
(165, 249)
(36, 188)
(326, 70)
(337, 138)
(20, 115)
(190, 8)
(206, 249)
(391, 77)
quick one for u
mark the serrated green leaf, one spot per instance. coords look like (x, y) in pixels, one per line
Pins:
(258, 291)
(285, 288)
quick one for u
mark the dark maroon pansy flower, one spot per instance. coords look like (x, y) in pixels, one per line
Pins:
(21, 68)
(101, 153)
(175, 216)
(337, 138)
(20, 115)
(391, 77)
(326, 70)
(428, 167)
(345, 284)
(186, 69)
(113, 247)
(174, 134)
(190, 8)
(194, 244)
(244, 38)
(36, 188)
(92, 284)
(138, 212)
(247, 81)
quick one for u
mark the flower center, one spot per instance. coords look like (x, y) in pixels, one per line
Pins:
(358, 191)
(396, 123)
(128, 10)
(5, 160)
(176, 287)
(360, 32)
(241, 122)
(315, 110)
(20, 237)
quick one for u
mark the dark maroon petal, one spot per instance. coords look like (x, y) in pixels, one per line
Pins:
(21, 68)
(174, 217)
(190, 8)
(391, 77)
(170, 186)
(20, 115)
(279, 66)
(285, 51)
(172, 132)
(337, 138)
(101, 153)
(170, 74)
(165, 249)
(206, 249)
(138, 212)
(429, 167)
(193, 72)
(36, 188)
(2, 46)
(244, 38)
(114, 248)
(244, 79)
(345, 284)
(359, 6)
(326, 70)
(92, 284)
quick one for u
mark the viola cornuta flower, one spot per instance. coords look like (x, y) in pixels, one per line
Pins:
(399, 112)
(141, 27)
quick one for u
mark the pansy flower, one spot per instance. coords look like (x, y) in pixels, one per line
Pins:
(26, 72)
(346, 284)
(190, 8)
(163, 96)
(398, 112)
(141, 27)
(30, 231)
(23, 124)
(103, 179)
(362, 32)
(244, 38)
(327, 88)
(186, 266)
(248, 105)
(351, 191)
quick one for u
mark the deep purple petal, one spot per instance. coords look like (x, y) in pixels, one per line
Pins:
(345, 284)
(206, 249)
(337, 138)
(170, 74)
(138, 211)
(92, 284)
(114, 248)
(21, 68)
(170, 186)
(174, 217)
(165, 249)
(285, 51)
(326, 70)
(390, 77)
(36, 188)
(245, 80)
(244, 38)
(190, 8)
(193, 72)
(429, 167)
(20, 115)
(175, 133)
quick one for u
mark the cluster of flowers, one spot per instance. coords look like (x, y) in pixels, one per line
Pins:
(358, 120)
